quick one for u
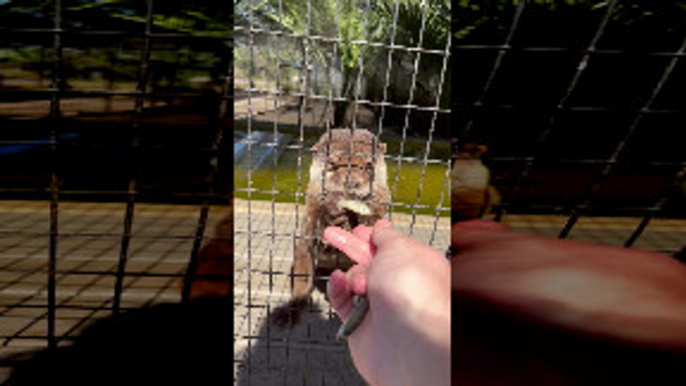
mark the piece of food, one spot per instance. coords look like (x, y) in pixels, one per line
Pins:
(358, 207)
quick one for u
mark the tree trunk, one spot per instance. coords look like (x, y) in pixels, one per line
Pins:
(339, 109)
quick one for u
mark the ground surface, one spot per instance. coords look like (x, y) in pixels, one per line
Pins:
(88, 251)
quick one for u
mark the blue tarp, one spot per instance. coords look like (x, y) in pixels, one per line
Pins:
(21, 148)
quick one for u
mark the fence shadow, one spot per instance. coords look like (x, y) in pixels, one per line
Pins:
(175, 344)
(306, 354)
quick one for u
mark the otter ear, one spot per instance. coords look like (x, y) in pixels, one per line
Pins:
(382, 148)
(316, 147)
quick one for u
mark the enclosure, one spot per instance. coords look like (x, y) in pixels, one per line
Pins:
(300, 67)
(116, 169)
(114, 162)
(116, 173)
(581, 106)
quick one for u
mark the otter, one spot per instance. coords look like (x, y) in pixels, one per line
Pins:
(472, 196)
(347, 187)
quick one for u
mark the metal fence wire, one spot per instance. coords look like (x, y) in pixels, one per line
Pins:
(569, 135)
(294, 84)
(116, 176)
(115, 170)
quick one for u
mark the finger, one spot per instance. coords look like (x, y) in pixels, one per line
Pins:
(383, 234)
(363, 232)
(357, 279)
(355, 248)
(339, 294)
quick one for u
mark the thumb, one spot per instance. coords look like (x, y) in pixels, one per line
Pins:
(339, 293)
(383, 234)
(342, 286)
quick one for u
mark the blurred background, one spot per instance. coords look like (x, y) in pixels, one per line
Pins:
(581, 105)
(115, 165)
(98, 91)
(562, 91)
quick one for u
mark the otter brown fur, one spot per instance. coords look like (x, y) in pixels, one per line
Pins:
(336, 174)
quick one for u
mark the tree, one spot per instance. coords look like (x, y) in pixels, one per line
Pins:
(362, 69)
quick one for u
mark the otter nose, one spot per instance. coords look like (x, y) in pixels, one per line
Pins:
(352, 185)
(358, 190)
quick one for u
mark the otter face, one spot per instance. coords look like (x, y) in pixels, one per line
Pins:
(355, 169)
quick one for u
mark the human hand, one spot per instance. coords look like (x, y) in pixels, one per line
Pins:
(405, 337)
(614, 292)
(536, 310)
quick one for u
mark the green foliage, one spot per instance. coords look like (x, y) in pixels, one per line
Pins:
(351, 29)
(484, 18)
(28, 6)
(117, 56)
(196, 16)
(354, 22)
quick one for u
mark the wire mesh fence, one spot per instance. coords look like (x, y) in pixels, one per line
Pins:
(582, 120)
(114, 117)
(116, 172)
(302, 71)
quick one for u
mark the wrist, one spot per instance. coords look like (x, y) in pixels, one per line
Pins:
(430, 341)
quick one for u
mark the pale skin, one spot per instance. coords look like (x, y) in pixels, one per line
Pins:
(532, 310)
(629, 295)
(407, 292)
(542, 311)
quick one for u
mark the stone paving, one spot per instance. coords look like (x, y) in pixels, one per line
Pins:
(88, 250)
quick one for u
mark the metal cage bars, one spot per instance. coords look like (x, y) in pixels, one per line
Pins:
(563, 106)
(306, 95)
(56, 93)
